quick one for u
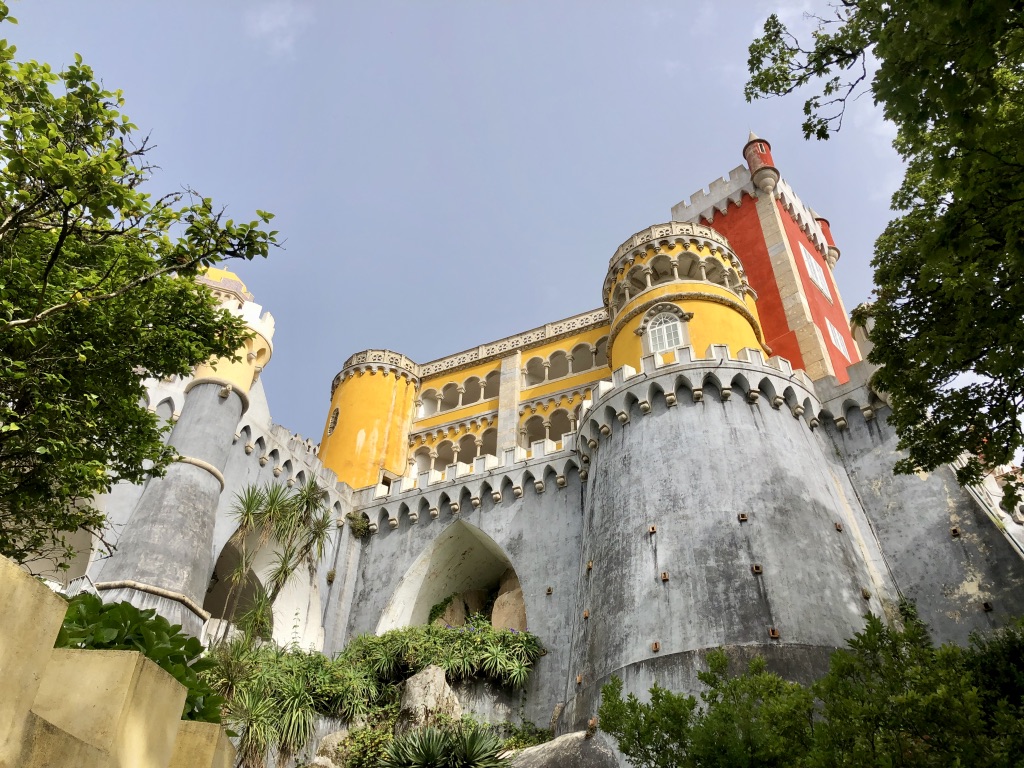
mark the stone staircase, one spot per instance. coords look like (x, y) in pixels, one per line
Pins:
(87, 708)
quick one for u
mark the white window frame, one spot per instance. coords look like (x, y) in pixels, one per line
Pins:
(816, 273)
(837, 339)
(663, 327)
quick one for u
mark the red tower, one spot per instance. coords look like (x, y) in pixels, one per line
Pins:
(788, 253)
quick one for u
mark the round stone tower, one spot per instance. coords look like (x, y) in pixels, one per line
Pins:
(712, 513)
(366, 435)
(164, 559)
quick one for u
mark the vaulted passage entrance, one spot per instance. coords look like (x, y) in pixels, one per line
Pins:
(461, 560)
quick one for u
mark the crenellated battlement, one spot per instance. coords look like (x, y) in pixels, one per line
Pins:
(703, 204)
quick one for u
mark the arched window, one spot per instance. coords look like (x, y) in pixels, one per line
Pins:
(664, 333)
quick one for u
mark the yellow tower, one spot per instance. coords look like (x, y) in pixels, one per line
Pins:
(366, 436)
(675, 285)
(242, 373)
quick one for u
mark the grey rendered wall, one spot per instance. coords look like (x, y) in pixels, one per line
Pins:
(690, 470)
(539, 534)
(948, 578)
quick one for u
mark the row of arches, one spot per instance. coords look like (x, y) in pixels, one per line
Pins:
(548, 426)
(455, 395)
(561, 363)
(484, 494)
(448, 451)
(272, 459)
(664, 269)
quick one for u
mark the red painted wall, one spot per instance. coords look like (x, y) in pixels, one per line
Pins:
(821, 307)
(742, 228)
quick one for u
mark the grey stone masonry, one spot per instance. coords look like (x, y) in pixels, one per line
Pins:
(165, 556)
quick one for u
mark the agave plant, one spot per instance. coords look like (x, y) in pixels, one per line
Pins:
(425, 748)
(474, 747)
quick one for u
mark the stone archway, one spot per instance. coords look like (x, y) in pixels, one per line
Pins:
(224, 603)
(463, 559)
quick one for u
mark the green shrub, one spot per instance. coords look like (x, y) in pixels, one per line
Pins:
(359, 525)
(464, 746)
(91, 623)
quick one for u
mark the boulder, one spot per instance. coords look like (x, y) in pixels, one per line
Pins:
(425, 698)
(322, 762)
(475, 600)
(328, 746)
(509, 581)
(454, 613)
(574, 750)
(509, 611)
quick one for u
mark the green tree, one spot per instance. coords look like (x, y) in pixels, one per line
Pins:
(949, 270)
(892, 698)
(96, 294)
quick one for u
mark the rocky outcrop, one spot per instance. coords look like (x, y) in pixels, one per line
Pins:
(509, 611)
(425, 698)
(574, 750)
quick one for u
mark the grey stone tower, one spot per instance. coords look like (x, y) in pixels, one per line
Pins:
(165, 557)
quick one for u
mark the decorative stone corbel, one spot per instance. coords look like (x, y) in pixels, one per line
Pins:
(277, 471)
(777, 401)
(263, 461)
(560, 481)
(605, 430)
(645, 407)
(798, 411)
(392, 523)
(249, 448)
(623, 417)
(584, 474)
(670, 399)
(538, 486)
(475, 501)
(433, 513)
(869, 412)
(592, 443)
(224, 391)
(414, 516)
(455, 507)
(496, 497)
(841, 423)
(726, 394)
(373, 528)
(813, 423)
(753, 396)
(517, 491)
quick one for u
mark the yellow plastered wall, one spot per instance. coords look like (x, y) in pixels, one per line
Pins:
(374, 413)
(712, 323)
(241, 373)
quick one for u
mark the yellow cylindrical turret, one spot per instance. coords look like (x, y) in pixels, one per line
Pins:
(253, 357)
(367, 429)
(676, 285)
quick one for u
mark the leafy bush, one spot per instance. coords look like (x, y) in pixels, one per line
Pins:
(474, 651)
(359, 525)
(275, 695)
(522, 736)
(891, 699)
(465, 746)
(91, 623)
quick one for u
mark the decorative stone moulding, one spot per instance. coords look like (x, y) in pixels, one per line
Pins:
(538, 486)
(277, 471)
(645, 407)
(249, 448)
(375, 361)
(496, 497)
(475, 501)
(372, 528)
(414, 516)
(434, 513)
(454, 507)
(263, 461)
(753, 396)
(777, 401)
(841, 423)
(392, 523)
(670, 399)
(560, 481)
(517, 491)
(670, 232)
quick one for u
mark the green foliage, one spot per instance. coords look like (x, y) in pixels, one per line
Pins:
(522, 736)
(949, 314)
(891, 699)
(90, 623)
(476, 650)
(437, 609)
(96, 294)
(359, 525)
(463, 746)
(275, 695)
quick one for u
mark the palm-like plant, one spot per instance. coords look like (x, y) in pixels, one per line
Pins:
(299, 525)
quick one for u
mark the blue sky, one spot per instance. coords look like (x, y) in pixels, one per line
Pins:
(448, 173)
